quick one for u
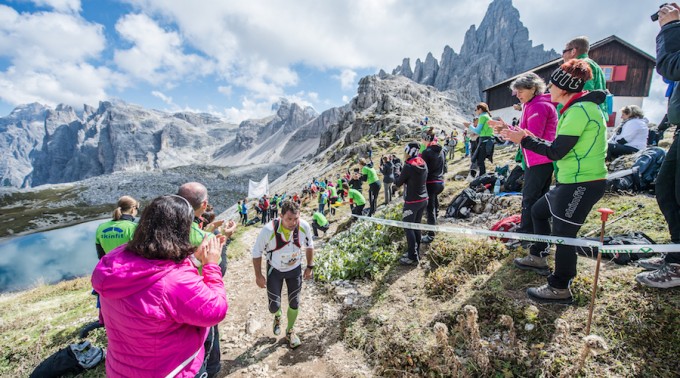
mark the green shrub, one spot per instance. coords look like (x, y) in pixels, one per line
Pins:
(363, 250)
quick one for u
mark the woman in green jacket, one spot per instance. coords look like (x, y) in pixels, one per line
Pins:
(485, 143)
(578, 150)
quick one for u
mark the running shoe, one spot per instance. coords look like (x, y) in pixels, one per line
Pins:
(277, 325)
(293, 339)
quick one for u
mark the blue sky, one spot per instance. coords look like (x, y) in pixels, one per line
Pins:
(235, 58)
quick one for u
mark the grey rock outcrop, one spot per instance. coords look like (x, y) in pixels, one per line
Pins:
(498, 49)
(41, 145)
(20, 133)
(273, 139)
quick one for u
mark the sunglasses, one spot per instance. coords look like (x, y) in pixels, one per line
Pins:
(567, 50)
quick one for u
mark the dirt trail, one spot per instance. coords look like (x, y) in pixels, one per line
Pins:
(249, 348)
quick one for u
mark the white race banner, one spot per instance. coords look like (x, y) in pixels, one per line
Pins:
(258, 189)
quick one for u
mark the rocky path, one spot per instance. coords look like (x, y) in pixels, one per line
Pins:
(249, 348)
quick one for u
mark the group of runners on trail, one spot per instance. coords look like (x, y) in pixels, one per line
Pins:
(160, 281)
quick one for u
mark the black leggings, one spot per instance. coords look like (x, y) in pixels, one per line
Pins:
(537, 181)
(388, 192)
(667, 190)
(373, 190)
(433, 191)
(568, 205)
(413, 213)
(615, 150)
(482, 153)
(275, 279)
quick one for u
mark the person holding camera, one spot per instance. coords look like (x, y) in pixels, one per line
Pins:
(666, 271)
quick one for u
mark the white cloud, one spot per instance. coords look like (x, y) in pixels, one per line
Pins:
(70, 6)
(45, 65)
(264, 47)
(47, 39)
(225, 90)
(163, 97)
(347, 79)
(313, 97)
(156, 55)
(656, 105)
(249, 110)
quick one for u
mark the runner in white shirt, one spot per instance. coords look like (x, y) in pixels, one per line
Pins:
(281, 242)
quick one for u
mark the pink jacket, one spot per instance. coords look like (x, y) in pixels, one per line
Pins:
(156, 312)
(540, 117)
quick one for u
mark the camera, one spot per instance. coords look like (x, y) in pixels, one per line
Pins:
(655, 16)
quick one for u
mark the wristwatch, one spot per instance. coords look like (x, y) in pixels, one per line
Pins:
(310, 267)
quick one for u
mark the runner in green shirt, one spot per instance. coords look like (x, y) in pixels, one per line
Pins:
(319, 222)
(371, 177)
(356, 198)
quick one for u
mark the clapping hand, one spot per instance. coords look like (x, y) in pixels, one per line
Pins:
(228, 229)
(210, 250)
(213, 225)
(498, 126)
(515, 134)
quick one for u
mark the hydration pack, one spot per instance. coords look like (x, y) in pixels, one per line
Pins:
(280, 242)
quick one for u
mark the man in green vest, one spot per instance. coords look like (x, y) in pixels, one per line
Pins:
(578, 48)
(197, 196)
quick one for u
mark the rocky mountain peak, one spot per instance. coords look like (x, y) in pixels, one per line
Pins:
(499, 48)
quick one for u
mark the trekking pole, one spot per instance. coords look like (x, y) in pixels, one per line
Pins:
(627, 213)
(604, 214)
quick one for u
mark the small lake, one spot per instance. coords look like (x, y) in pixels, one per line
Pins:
(48, 257)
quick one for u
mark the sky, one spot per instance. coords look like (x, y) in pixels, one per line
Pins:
(235, 58)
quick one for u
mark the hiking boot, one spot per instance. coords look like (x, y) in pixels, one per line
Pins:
(407, 261)
(277, 325)
(89, 328)
(652, 263)
(666, 277)
(293, 339)
(533, 263)
(549, 294)
(427, 239)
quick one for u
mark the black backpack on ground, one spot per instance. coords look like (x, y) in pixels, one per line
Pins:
(645, 169)
(461, 206)
(632, 238)
(73, 359)
(648, 165)
(515, 180)
(485, 179)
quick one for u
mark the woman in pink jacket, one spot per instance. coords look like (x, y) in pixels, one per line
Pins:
(540, 117)
(156, 307)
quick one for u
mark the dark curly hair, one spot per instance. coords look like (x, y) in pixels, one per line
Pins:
(163, 230)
